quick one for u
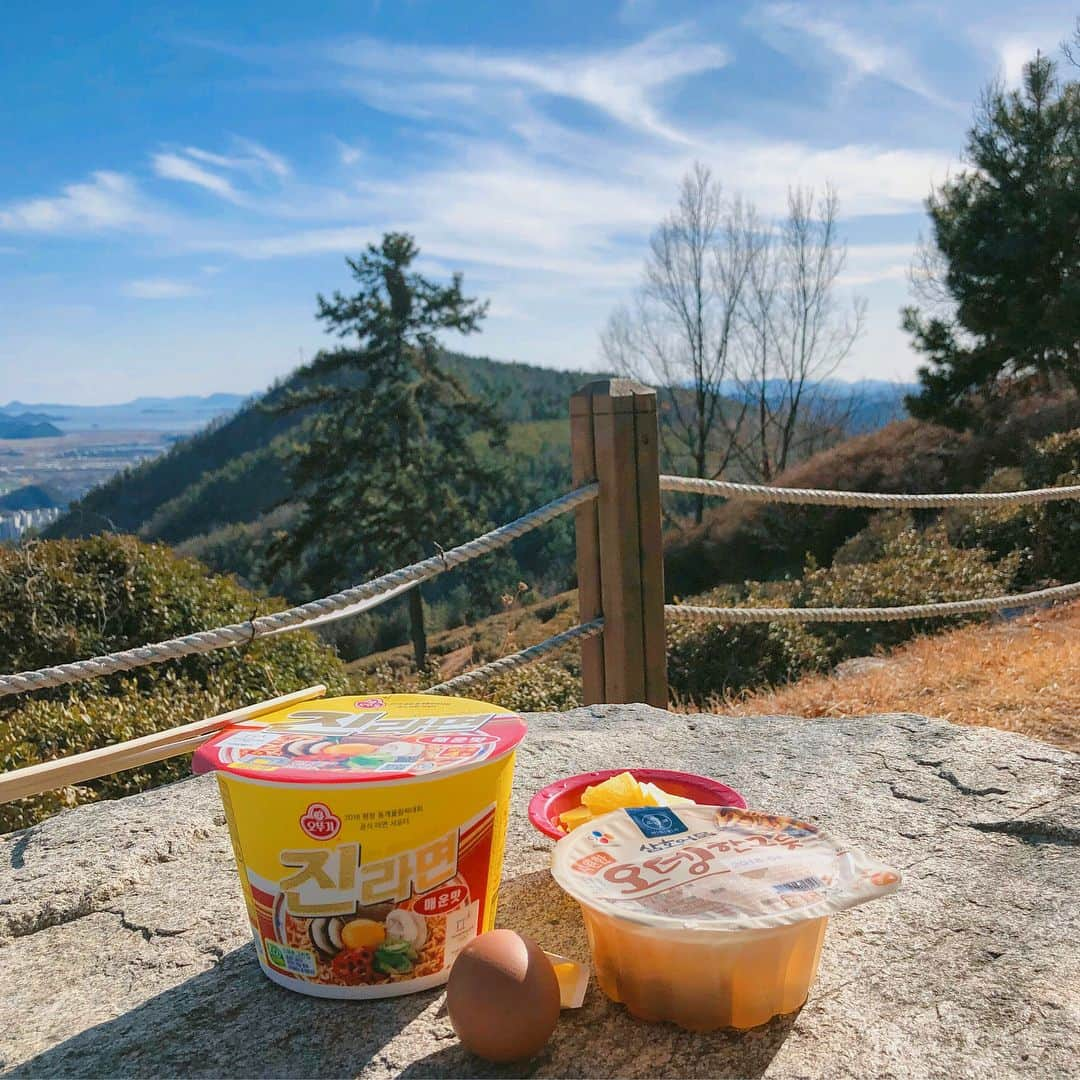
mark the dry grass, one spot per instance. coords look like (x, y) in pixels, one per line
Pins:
(1022, 675)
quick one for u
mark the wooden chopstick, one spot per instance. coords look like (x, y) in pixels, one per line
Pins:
(50, 775)
(134, 758)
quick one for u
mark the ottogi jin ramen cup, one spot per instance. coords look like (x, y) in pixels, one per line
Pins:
(710, 916)
(369, 836)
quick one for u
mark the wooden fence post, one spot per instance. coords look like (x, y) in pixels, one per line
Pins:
(614, 440)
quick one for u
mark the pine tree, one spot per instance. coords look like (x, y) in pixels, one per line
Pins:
(1006, 255)
(393, 466)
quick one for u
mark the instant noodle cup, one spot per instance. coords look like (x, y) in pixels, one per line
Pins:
(710, 917)
(368, 834)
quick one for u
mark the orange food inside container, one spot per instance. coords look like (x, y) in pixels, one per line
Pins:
(704, 984)
(617, 793)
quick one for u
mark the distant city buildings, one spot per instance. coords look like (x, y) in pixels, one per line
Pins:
(13, 523)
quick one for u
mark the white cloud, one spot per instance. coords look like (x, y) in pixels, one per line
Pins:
(109, 200)
(255, 158)
(863, 54)
(207, 158)
(189, 166)
(347, 154)
(171, 166)
(868, 264)
(1015, 52)
(258, 155)
(1010, 37)
(869, 179)
(622, 83)
(486, 207)
(159, 289)
(489, 206)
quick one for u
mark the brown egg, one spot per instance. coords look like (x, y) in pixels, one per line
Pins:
(503, 996)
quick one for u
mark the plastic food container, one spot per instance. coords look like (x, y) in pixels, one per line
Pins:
(546, 805)
(710, 917)
(368, 834)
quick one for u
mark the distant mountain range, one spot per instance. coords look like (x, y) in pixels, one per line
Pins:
(27, 426)
(178, 414)
(869, 403)
(874, 402)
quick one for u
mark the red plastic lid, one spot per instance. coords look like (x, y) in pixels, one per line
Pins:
(350, 740)
(563, 795)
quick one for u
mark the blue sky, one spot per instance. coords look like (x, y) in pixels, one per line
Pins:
(177, 182)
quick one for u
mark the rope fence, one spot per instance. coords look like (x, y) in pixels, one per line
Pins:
(379, 590)
(872, 614)
(519, 659)
(871, 499)
(304, 615)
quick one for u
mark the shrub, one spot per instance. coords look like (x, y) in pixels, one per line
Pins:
(914, 568)
(546, 686)
(240, 548)
(1044, 538)
(389, 677)
(712, 658)
(906, 566)
(1055, 526)
(741, 539)
(1001, 531)
(65, 600)
(1055, 460)
(706, 659)
(869, 545)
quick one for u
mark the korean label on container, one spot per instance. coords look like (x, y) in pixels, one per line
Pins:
(724, 867)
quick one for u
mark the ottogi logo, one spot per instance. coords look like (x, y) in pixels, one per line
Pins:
(369, 703)
(320, 822)
(656, 821)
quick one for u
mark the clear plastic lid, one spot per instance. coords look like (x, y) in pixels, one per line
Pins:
(716, 868)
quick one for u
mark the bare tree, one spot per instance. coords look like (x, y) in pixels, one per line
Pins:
(738, 323)
(793, 337)
(679, 330)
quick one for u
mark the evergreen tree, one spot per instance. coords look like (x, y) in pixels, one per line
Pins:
(391, 469)
(1005, 261)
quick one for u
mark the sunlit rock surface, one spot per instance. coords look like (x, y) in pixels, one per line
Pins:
(125, 949)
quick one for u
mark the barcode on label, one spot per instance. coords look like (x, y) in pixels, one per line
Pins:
(806, 884)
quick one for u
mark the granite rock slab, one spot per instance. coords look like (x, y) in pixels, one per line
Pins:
(125, 949)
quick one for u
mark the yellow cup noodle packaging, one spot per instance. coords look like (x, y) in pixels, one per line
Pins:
(368, 835)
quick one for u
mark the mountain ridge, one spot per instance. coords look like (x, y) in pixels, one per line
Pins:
(27, 426)
(220, 397)
(180, 414)
(234, 469)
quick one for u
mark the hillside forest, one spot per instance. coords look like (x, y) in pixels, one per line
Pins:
(391, 445)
